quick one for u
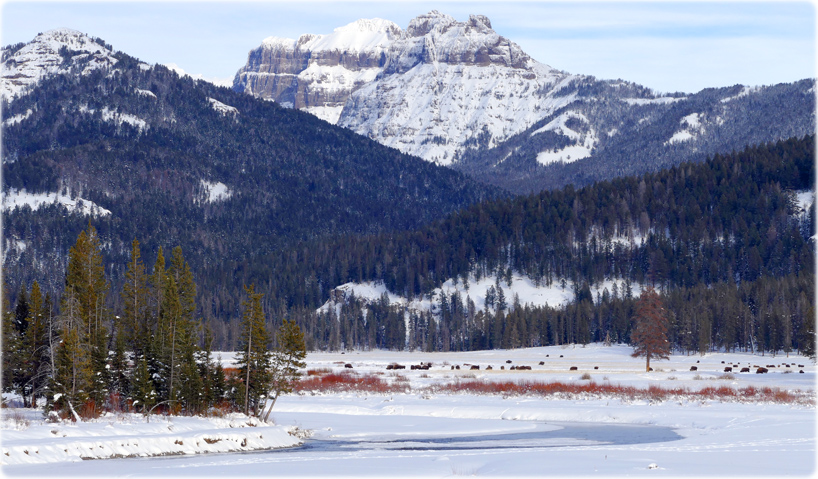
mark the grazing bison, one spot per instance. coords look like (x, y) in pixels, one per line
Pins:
(474, 366)
(489, 368)
(542, 363)
(596, 367)
(745, 370)
(728, 369)
(573, 368)
(694, 368)
(801, 371)
(761, 370)
(508, 361)
(348, 366)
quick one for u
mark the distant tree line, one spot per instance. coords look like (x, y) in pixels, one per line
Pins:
(716, 231)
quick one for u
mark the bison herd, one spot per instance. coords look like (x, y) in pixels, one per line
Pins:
(474, 367)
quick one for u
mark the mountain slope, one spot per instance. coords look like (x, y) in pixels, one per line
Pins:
(459, 94)
(606, 135)
(52, 52)
(174, 161)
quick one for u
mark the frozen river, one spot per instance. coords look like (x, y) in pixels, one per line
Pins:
(373, 445)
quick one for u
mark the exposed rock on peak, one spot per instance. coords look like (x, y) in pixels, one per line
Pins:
(398, 86)
(318, 72)
(424, 24)
(51, 52)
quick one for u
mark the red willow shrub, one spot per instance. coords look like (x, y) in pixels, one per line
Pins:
(348, 381)
(326, 381)
(652, 392)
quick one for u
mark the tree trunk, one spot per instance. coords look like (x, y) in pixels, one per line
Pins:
(647, 365)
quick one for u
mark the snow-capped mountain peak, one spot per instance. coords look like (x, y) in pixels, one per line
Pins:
(448, 86)
(51, 52)
(429, 90)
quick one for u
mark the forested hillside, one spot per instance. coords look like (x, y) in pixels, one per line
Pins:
(174, 162)
(620, 131)
(725, 241)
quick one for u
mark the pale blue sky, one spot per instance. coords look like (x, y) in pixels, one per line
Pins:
(668, 46)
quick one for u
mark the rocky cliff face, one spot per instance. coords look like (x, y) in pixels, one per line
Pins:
(448, 86)
(459, 94)
(317, 73)
(433, 90)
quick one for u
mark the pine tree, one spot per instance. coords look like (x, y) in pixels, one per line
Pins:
(288, 358)
(135, 327)
(186, 329)
(12, 342)
(254, 358)
(649, 335)
(143, 392)
(71, 380)
(85, 283)
(35, 344)
(806, 341)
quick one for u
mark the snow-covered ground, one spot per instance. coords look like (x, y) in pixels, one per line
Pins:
(428, 433)
(13, 198)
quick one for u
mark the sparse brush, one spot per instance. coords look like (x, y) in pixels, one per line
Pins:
(585, 376)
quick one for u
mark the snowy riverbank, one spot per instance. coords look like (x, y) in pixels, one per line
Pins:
(27, 439)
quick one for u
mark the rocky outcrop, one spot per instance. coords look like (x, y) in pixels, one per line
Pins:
(50, 53)
(433, 90)
(317, 73)
(448, 86)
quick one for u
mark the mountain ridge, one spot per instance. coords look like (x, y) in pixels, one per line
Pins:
(461, 95)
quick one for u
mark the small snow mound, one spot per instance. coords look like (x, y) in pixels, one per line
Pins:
(217, 191)
(145, 92)
(222, 108)
(653, 466)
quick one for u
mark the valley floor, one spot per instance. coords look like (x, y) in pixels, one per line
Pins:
(425, 432)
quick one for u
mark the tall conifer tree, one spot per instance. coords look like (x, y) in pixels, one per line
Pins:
(254, 357)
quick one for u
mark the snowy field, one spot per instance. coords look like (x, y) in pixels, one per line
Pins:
(428, 432)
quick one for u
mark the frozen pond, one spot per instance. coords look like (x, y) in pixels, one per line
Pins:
(364, 445)
(544, 435)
